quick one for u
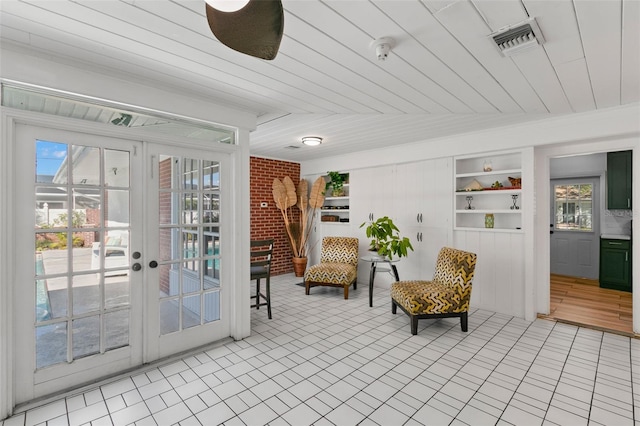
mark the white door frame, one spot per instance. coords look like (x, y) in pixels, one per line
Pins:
(542, 243)
(240, 321)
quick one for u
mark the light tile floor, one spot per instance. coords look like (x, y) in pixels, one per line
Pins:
(324, 360)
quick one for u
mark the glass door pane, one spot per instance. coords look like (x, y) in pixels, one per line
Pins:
(189, 235)
(82, 229)
(573, 207)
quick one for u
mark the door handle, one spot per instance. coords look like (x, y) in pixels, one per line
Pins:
(136, 267)
(136, 255)
(153, 264)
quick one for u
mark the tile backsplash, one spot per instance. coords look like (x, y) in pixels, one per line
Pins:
(617, 222)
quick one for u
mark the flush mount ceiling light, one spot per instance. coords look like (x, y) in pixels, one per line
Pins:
(382, 47)
(312, 140)
(519, 37)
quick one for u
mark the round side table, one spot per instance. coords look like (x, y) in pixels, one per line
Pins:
(374, 260)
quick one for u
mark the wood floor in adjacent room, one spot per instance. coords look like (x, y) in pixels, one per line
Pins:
(582, 301)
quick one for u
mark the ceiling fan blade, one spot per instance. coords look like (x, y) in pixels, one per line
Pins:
(255, 30)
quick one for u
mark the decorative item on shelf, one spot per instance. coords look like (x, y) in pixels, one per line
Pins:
(474, 185)
(386, 239)
(298, 227)
(336, 182)
(497, 184)
(487, 167)
(329, 218)
(469, 200)
(515, 206)
(488, 220)
(517, 182)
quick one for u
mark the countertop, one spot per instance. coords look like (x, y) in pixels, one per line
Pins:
(615, 237)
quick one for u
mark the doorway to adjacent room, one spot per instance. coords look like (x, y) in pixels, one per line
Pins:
(578, 217)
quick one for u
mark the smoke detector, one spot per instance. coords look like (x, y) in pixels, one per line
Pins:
(382, 47)
(519, 37)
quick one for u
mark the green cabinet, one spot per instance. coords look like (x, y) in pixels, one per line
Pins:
(619, 180)
(615, 264)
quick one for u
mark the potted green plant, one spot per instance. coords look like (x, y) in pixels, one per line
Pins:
(336, 182)
(386, 239)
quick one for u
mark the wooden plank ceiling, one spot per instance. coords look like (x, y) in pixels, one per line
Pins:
(444, 75)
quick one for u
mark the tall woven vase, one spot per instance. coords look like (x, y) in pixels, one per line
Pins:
(299, 265)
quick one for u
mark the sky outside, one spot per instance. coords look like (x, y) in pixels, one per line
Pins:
(49, 157)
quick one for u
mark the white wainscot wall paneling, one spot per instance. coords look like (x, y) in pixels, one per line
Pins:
(499, 281)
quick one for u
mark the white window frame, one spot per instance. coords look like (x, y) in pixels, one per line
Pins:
(558, 226)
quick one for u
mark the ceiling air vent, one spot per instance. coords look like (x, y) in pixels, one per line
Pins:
(519, 37)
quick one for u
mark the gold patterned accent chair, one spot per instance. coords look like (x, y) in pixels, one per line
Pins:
(338, 265)
(447, 295)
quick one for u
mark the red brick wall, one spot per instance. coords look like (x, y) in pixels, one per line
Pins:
(92, 220)
(266, 222)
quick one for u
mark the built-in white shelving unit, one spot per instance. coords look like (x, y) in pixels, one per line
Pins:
(336, 208)
(492, 193)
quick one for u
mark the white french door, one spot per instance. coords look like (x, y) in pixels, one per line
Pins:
(78, 299)
(119, 246)
(188, 299)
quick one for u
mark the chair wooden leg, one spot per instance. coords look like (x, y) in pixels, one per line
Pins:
(258, 293)
(346, 292)
(414, 325)
(268, 294)
(306, 288)
(464, 322)
(394, 307)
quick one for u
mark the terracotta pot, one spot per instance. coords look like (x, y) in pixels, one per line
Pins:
(299, 265)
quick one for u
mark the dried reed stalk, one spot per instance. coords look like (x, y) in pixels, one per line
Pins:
(286, 196)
